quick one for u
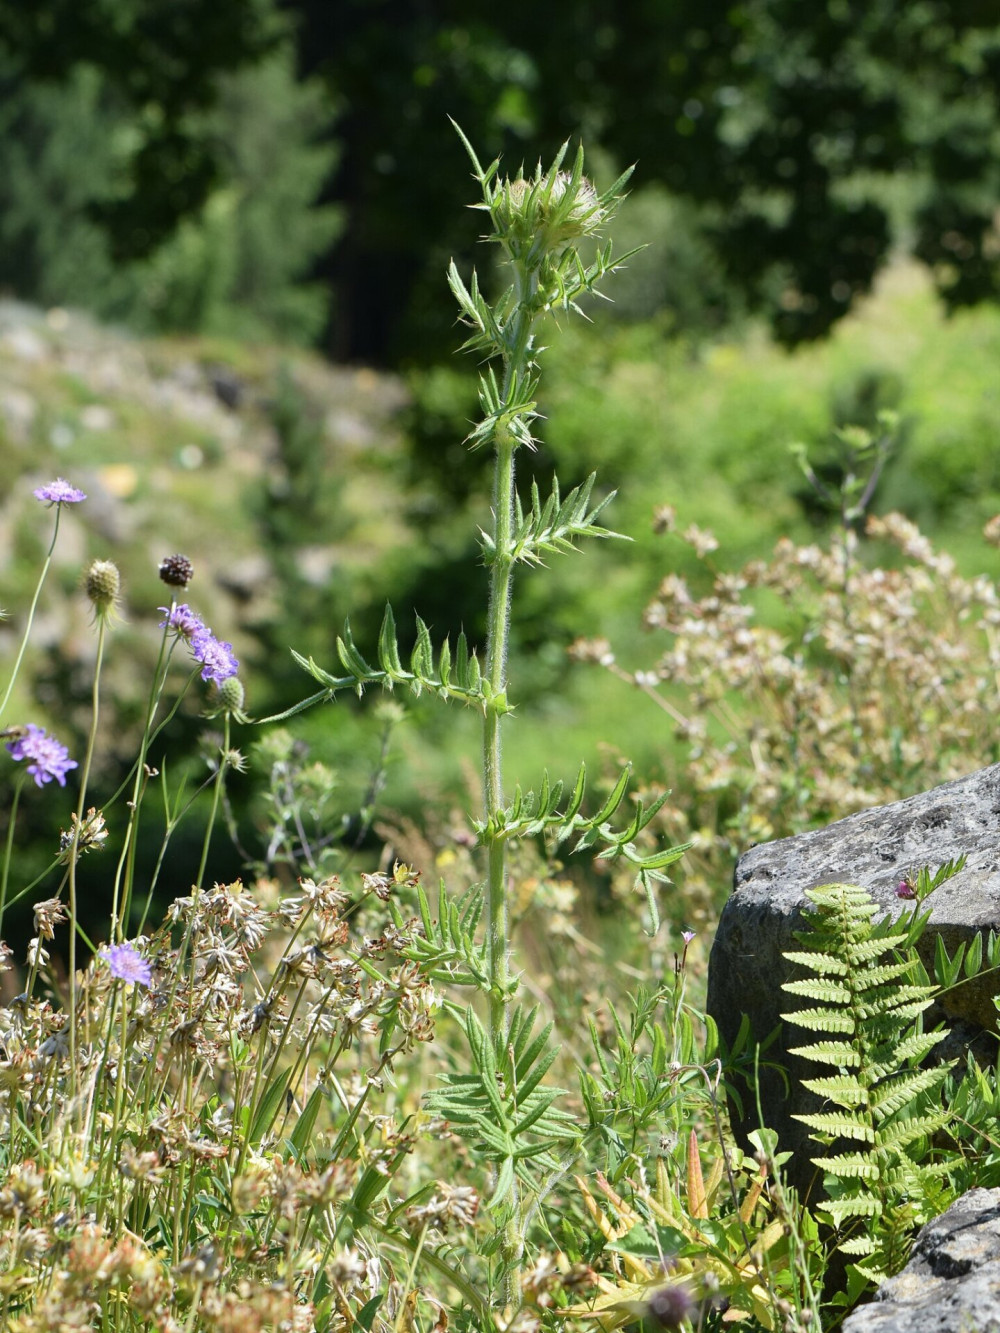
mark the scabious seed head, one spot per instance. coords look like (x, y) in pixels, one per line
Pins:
(92, 836)
(231, 694)
(59, 492)
(176, 571)
(103, 585)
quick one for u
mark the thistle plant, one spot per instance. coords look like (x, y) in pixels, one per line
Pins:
(540, 224)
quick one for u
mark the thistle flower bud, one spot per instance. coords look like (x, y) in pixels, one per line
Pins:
(176, 570)
(552, 209)
(103, 585)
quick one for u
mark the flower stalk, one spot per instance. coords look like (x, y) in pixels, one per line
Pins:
(539, 224)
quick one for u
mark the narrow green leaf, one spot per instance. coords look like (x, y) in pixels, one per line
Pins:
(306, 1123)
(267, 1107)
(614, 800)
(974, 957)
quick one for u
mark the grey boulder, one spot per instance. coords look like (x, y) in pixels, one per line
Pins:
(874, 849)
(952, 1282)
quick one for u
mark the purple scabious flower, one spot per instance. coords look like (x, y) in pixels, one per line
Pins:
(218, 661)
(184, 622)
(59, 492)
(49, 758)
(128, 964)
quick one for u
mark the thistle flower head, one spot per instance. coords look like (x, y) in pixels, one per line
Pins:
(127, 964)
(59, 492)
(552, 209)
(49, 758)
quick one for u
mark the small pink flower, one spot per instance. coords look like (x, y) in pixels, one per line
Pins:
(127, 964)
(59, 492)
(49, 757)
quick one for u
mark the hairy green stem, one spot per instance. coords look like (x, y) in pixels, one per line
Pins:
(497, 643)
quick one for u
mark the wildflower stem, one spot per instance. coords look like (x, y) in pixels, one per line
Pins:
(9, 849)
(126, 861)
(497, 643)
(216, 791)
(74, 850)
(31, 614)
(496, 673)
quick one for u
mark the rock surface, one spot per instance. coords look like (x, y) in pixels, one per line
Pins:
(952, 1282)
(873, 849)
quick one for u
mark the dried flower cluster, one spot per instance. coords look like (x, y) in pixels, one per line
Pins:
(227, 1134)
(814, 684)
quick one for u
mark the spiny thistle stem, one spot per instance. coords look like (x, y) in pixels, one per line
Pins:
(497, 643)
(501, 586)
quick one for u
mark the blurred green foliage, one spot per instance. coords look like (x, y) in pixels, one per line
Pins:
(237, 262)
(785, 151)
(807, 140)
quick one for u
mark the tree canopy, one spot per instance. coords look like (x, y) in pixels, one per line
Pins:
(809, 141)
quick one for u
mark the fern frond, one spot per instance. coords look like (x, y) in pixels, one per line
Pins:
(857, 1205)
(849, 1166)
(859, 1245)
(868, 991)
(822, 1020)
(822, 989)
(869, 978)
(900, 1089)
(843, 1090)
(838, 1124)
(863, 951)
(820, 963)
(836, 1053)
